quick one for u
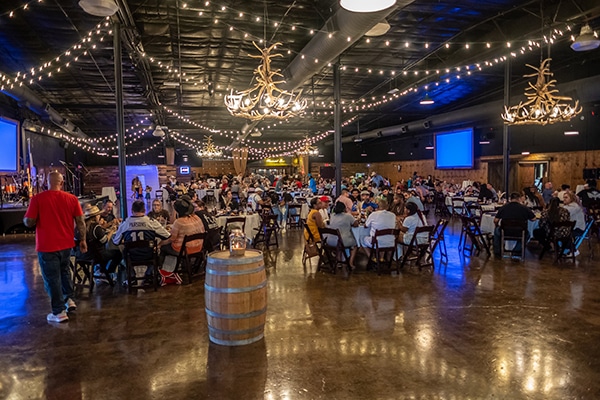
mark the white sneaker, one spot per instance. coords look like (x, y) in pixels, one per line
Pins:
(62, 317)
(70, 304)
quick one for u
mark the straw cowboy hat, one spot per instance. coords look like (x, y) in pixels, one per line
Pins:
(91, 211)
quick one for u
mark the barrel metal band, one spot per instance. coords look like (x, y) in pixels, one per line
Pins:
(235, 290)
(236, 342)
(231, 273)
(256, 313)
(234, 332)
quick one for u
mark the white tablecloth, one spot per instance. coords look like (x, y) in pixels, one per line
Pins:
(250, 229)
(487, 224)
(360, 232)
(304, 211)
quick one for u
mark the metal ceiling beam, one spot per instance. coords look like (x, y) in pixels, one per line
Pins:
(135, 48)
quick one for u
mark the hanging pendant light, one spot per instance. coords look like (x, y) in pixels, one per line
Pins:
(586, 40)
(365, 6)
(99, 8)
(426, 100)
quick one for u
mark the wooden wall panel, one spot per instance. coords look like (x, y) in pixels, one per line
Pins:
(398, 170)
(566, 167)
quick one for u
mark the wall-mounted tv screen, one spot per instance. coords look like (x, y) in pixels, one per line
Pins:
(184, 170)
(454, 149)
(9, 151)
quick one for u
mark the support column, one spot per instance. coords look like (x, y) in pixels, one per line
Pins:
(120, 118)
(337, 136)
(506, 129)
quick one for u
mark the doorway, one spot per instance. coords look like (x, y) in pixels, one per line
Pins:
(533, 173)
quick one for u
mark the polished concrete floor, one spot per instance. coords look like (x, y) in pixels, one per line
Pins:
(476, 328)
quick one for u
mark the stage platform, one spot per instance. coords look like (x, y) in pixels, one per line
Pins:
(11, 216)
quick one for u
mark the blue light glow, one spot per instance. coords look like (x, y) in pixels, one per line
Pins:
(454, 149)
(9, 136)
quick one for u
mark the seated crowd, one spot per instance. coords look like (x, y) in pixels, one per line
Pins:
(370, 201)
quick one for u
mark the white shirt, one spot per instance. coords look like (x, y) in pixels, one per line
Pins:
(412, 222)
(254, 200)
(378, 220)
(577, 215)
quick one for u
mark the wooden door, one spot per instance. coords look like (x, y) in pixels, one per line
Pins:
(526, 175)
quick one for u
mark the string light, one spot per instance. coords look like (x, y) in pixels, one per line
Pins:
(62, 61)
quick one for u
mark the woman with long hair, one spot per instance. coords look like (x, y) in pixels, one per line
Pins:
(343, 221)
(553, 214)
(414, 219)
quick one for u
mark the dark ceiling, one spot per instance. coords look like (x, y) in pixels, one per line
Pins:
(173, 49)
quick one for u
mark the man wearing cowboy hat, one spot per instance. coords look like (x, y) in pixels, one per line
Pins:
(97, 239)
(52, 213)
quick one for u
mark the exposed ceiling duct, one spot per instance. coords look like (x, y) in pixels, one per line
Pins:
(25, 96)
(343, 25)
(588, 90)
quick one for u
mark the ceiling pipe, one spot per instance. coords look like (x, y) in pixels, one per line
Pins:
(587, 90)
(25, 96)
(343, 25)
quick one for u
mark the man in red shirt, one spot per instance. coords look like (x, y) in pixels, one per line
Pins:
(52, 213)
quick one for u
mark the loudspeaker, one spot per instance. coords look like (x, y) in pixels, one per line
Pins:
(327, 172)
(64, 144)
(590, 173)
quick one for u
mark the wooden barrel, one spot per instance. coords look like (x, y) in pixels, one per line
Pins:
(236, 297)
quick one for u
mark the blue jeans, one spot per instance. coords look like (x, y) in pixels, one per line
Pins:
(281, 216)
(57, 278)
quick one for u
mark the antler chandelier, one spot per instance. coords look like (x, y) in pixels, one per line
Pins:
(209, 150)
(265, 100)
(307, 149)
(543, 106)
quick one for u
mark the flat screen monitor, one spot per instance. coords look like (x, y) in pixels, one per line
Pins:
(454, 149)
(184, 170)
(9, 151)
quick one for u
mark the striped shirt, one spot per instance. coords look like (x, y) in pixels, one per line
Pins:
(188, 225)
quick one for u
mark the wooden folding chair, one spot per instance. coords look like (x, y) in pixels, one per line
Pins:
(267, 232)
(512, 229)
(312, 248)
(151, 260)
(471, 231)
(418, 249)
(293, 217)
(334, 253)
(382, 256)
(184, 259)
(438, 240)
